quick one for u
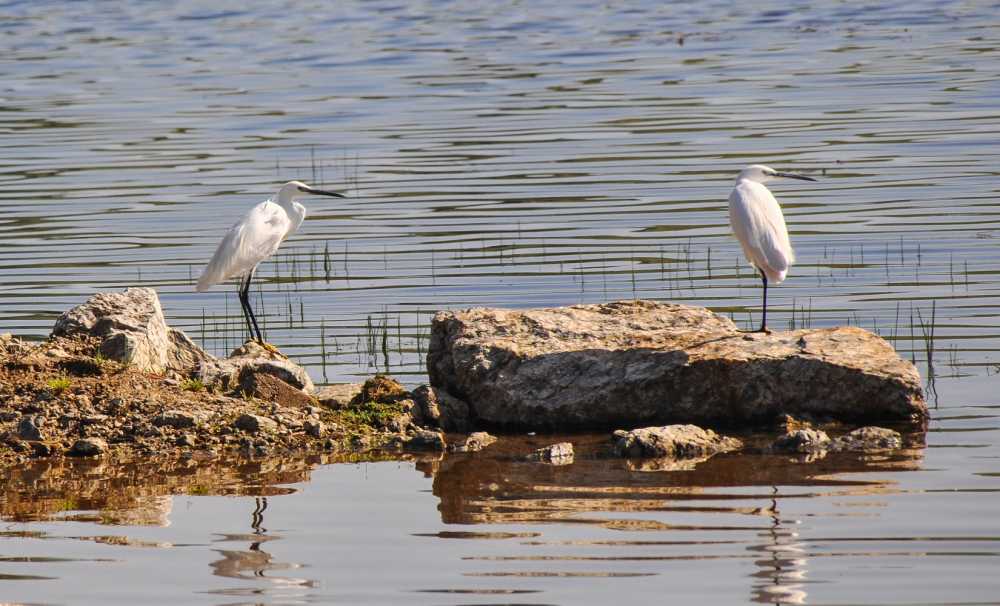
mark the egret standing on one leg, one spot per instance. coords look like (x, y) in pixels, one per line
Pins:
(254, 238)
(758, 224)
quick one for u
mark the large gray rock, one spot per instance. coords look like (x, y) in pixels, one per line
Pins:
(133, 331)
(637, 363)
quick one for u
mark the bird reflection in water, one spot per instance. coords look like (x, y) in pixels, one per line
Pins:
(255, 563)
(781, 572)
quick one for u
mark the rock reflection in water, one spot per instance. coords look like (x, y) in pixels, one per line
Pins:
(499, 486)
(504, 489)
(139, 493)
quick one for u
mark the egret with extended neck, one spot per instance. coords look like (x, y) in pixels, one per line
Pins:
(254, 238)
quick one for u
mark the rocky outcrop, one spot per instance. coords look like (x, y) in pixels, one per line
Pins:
(133, 331)
(672, 441)
(635, 363)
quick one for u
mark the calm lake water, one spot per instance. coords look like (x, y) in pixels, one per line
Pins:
(514, 154)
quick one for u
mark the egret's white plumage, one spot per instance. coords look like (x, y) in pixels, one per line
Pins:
(256, 237)
(757, 222)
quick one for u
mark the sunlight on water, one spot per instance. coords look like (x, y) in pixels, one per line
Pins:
(582, 164)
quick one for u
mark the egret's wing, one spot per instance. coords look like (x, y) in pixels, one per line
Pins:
(252, 239)
(759, 225)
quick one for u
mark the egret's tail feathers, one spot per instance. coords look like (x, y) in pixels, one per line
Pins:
(203, 284)
(777, 270)
(208, 279)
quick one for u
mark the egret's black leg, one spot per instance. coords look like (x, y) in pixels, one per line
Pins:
(763, 317)
(241, 293)
(763, 312)
(246, 297)
(245, 301)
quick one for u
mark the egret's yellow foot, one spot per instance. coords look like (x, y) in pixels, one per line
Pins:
(267, 346)
(271, 348)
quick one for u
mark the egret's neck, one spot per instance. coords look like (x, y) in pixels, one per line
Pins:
(286, 202)
(294, 209)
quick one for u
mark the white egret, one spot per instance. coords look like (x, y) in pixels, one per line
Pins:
(254, 238)
(758, 224)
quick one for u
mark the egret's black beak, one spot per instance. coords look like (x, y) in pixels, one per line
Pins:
(794, 176)
(320, 192)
